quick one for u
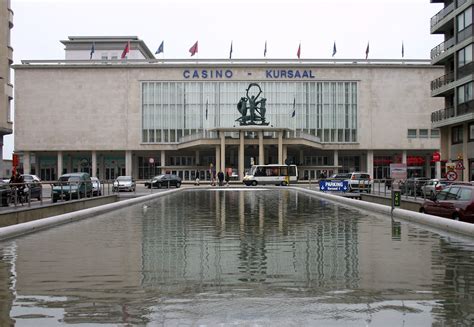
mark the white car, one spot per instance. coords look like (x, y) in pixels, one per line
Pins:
(359, 181)
(96, 186)
(124, 183)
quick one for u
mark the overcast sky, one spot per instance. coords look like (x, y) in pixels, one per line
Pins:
(39, 25)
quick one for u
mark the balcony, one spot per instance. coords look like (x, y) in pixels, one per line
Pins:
(10, 55)
(442, 47)
(10, 18)
(442, 81)
(441, 14)
(442, 114)
(9, 91)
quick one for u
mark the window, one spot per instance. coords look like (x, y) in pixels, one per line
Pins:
(453, 193)
(471, 132)
(423, 133)
(465, 194)
(435, 133)
(465, 93)
(464, 19)
(456, 135)
(412, 133)
(465, 56)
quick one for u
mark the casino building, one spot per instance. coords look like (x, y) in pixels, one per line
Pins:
(140, 116)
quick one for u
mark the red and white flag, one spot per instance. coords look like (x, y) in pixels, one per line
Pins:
(126, 50)
(298, 53)
(194, 49)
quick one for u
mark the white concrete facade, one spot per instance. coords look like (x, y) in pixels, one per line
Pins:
(93, 112)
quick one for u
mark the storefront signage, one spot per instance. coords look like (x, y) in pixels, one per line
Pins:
(196, 74)
(398, 171)
(436, 157)
(333, 186)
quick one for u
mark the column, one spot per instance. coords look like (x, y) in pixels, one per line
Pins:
(438, 167)
(301, 158)
(428, 166)
(466, 171)
(370, 163)
(198, 162)
(284, 152)
(336, 161)
(280, 148)
(241, 155)
(94, 163)
(163, 159)
(128, 163)
(218, 158)
(261, 152)
(26, 162)
(59, 163)
(404, 156)
(222, 166)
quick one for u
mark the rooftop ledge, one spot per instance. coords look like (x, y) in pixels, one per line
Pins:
(231, 62)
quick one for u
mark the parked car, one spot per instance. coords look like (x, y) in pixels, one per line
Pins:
(412, 186)
(340, 177)
(72, 186)
(124, 183)
(5, 192)
(455, 202)
(33, 186)
(434, 186)
(96, 186)
(167, 180)
(359, 181)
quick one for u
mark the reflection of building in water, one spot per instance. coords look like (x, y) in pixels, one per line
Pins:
(7, 263)
(305, 245)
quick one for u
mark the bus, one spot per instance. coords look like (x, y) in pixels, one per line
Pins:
(271, 174)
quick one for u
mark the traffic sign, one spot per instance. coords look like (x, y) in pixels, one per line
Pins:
(451, 175)
(459, 165)
(151, 161)
(336, 186)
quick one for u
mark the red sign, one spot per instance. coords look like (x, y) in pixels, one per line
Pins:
(451, 175)
(459, 165)
(436, 157)
(15, 160)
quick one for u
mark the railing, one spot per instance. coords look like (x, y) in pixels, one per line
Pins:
(442, 47)
(465, 33)
(460, 3)
(441, 14)
(465, 70)
(442, 81)
(442, 114)
(208, 135)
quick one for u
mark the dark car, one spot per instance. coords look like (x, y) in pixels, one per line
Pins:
(5, 192)
(166, 180)
(413, 186)
(33, 186)
(455, 202)
(340, 177)
(72, 186)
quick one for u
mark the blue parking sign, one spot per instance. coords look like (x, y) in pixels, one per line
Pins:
(333, 186)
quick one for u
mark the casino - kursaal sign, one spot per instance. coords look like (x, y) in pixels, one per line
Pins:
(333, 186)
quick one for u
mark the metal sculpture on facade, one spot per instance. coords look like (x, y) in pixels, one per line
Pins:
(252, 108)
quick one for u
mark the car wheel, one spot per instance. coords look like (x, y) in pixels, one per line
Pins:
(422, 210)
(456, 216)
(284, 183)
(178, 184)
(254, 183)
(55, 200)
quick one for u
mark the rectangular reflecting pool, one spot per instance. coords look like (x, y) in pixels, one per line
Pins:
(253, 257)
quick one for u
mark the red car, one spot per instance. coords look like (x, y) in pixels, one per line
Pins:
(455, 202)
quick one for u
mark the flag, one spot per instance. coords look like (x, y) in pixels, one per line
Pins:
(265, 50)
(160, 48)
(367, 51)
(126, 50)
(194, 49)
(293, 114)
(298, 53)
(230, 53)
(403, 50)
(207, 106)
(334, 49)
(92, 49)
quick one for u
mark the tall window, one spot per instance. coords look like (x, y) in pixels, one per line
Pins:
(464, 19)
(173, 110)
(457, 132)
(465, 56)
(465, 93)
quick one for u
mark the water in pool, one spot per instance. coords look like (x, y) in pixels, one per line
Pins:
(253, 257)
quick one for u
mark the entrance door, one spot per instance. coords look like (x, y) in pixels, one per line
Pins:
(48, 174)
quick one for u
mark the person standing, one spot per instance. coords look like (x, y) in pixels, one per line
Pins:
(220, 176)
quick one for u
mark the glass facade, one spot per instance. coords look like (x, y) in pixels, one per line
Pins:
(173, 110)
